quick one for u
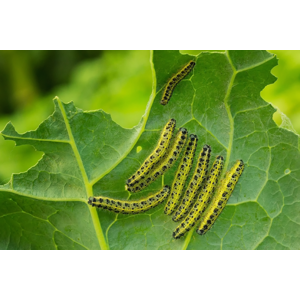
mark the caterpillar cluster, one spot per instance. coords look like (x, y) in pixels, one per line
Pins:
(209, 215)
(171, 84)
(193, 205)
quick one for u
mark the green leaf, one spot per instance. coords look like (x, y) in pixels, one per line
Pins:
(86, 153)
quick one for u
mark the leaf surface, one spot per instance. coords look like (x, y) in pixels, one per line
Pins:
(86, 153)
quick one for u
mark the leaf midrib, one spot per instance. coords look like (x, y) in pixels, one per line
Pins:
(88, 186)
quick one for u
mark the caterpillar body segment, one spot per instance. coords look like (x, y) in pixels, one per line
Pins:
(220, 200)
(171, 84)
(130, 207)
(155, 157)
(194, 185)
(167, 162)
(181, 175)
(202, 201)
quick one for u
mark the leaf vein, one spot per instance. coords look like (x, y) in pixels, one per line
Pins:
(32, 139)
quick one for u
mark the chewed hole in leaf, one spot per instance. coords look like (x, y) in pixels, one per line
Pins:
(138, 149)
(287, 171)
(17, 154)
(283, 121)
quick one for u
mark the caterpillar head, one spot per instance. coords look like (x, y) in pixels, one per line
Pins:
(166, 188)
(183, 130)
(90, 201)
(219, 157)
(201, 232)
(206, 148)
(194, 137)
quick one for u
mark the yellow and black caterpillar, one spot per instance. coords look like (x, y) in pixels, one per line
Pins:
(197, 179)
(181, 174)
(130, 207)
(174, 81)
(165, 164)
(202, 201)
(155, 157)
(219, 201)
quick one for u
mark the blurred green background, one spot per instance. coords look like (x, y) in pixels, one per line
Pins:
(119, 82)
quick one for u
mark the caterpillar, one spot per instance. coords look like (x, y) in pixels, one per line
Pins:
(157, 154)
(202, 201)
(166, 163)
(174, 81)
(193, 187)
(181, 174)
(130, 207)
(219, 201)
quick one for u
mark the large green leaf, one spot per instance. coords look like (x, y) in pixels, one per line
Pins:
(86, 153)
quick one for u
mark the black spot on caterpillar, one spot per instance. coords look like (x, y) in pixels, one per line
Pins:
(181, 174)
(155, 157)
(220, 200)
(194, 184)
(165, 164)
(130, 207)
(202, 201)
(174, 81)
